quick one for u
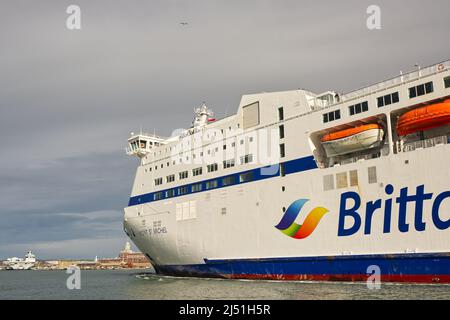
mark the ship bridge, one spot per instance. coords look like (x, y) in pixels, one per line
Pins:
(141, 144)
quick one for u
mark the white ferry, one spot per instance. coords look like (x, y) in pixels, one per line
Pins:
(21, 263)
(303, 186)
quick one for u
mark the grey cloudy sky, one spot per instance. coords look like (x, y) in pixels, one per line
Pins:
(68, 99)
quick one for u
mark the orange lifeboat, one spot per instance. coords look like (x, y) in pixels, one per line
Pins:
(349, 132)
(353, 140)
(424, 118)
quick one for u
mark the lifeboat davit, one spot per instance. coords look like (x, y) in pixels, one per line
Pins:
(424, 118)
(352, 140)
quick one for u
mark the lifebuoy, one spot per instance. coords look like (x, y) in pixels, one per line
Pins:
(440, 67)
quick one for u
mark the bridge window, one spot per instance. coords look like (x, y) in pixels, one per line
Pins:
(247, 159)
(183, 175)
(447, 82)
(421, 90)
(228, 164)
(388, 99)
(212, 167)
(196, 187)
(281, 130)
(331, 116)
(359, 108)
(211, 184)
(170, 193)
(282, 150)
(280, 114)
(227, 181)
(197, 171)
(182, 190)
(246, 177)
(158, 181)
(170, 178)
(158, 196)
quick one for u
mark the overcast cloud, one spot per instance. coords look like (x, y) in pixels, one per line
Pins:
(68, 99)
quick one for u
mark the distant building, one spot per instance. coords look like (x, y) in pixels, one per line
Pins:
(133, 259)
(82, 264)
(126, 259)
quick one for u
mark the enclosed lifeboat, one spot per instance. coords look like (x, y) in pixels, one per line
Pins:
(353, 139)
(424, 118)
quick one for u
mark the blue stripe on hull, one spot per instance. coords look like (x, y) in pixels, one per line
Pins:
(394, 266)
(258, 174)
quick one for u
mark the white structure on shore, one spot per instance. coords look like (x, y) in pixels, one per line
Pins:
(21, 264)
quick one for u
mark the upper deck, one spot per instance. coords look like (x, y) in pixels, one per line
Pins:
(385, 85)
(300, 119)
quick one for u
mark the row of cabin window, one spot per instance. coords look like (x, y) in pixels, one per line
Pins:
(201, 154)
(210, 168)
(170, 148)
(233, 144)
(385, 100)
(353, 109)
(197, 187)
(280, 118)
(214, 167)
(211, 184)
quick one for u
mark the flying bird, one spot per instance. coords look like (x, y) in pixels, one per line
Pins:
(184, 23)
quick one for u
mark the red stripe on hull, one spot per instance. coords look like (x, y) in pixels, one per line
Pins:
(419, 278)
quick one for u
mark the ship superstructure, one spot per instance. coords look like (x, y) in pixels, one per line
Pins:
(303, 186)
(26, 263)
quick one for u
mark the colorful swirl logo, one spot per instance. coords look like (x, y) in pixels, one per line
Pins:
(300, 231)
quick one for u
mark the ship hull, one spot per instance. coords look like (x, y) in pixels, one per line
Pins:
(232, 248)
(410, 268)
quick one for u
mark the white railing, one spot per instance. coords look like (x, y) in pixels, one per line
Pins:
(148, 135)
(423, 144)
(376, 153)
(384, 151)
(402, 78)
